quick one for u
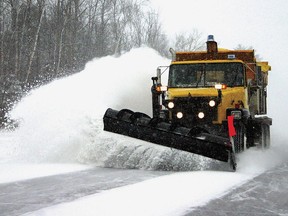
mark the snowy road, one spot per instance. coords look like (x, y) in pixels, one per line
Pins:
(19, 197)
(266, 195)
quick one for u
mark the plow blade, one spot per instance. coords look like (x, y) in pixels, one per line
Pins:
(141, 126)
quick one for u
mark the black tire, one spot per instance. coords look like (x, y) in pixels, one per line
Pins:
(233, 163)
(239, 138)
(265, 136)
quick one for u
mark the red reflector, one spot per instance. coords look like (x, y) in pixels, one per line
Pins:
(231, 128)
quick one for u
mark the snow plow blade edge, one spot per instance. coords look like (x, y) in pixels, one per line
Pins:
(141, 126)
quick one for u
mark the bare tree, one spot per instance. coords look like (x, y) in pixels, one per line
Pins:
(15, 6)
(242, 47)
(154, 37)
(44, 39)
(41, 5)
(2, 30)
(191, 41)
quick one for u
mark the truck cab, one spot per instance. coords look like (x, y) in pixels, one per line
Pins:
(200, 92)
(205, 87)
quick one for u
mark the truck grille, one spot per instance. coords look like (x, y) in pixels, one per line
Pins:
(191, 106)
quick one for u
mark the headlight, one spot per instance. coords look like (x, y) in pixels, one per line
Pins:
(201, 115)
(179, 115)
(237, 114)
(220, 86)
(212, 103)
(171, 105)
(163, 88)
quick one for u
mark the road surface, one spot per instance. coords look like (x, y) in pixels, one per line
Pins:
(265, 195)
(20, 197)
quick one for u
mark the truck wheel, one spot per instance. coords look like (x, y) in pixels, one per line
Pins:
(265, 136)
(233, 163)
(240, 138)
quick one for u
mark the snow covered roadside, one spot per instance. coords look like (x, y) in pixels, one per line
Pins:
(11, 172)
(12, 169)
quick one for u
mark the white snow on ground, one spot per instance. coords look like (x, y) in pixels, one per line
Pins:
(18, 172)
(61, 124)
(167, 195)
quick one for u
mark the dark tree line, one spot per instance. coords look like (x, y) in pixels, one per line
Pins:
(41, 40)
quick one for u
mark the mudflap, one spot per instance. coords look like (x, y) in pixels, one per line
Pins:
(141, 126)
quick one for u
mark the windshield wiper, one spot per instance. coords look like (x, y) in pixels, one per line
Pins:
(238, 79)
(202, 71)
(234, 80)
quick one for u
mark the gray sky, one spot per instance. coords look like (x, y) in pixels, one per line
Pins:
(262, 24)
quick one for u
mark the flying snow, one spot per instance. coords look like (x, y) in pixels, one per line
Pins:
(62, 121)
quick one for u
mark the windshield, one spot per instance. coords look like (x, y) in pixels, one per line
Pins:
(206, 75)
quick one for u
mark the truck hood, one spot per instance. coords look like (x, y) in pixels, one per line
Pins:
(194, 92)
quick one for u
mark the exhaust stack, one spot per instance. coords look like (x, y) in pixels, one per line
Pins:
(211, 44)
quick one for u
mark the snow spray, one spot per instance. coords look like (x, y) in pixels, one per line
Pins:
(61, 122)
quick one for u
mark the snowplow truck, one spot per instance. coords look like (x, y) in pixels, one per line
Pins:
(214, 105)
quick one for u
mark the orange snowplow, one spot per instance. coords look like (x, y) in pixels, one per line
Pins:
(214, 105)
